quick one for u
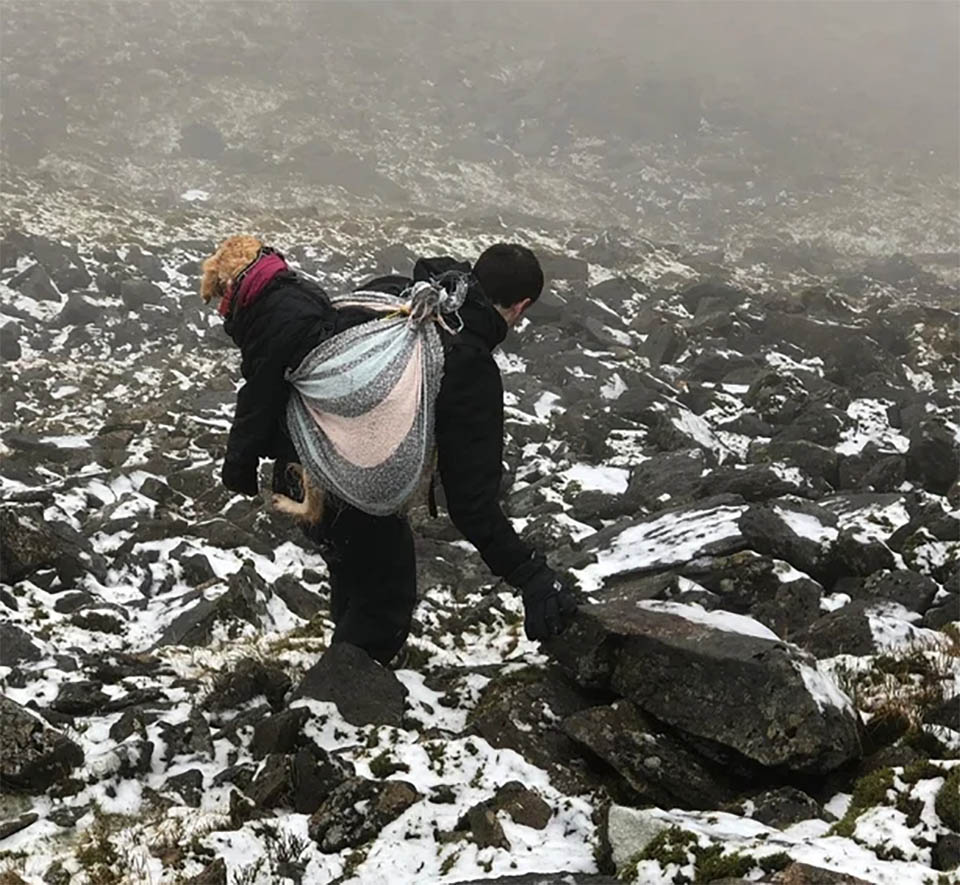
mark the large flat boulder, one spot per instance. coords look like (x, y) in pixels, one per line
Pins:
(716, 676)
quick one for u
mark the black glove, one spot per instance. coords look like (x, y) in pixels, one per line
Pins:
(548, 604)
(240, 476)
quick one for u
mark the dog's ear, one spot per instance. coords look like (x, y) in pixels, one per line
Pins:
(232, 255)
(209, 282)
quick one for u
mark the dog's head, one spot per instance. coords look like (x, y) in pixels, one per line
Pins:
(222, 268)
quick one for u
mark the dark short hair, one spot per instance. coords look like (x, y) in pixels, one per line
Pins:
(508, 273)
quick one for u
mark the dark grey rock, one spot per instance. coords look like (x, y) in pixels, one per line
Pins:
(844, 631)
(35, 283)
(911, 590)
(302, 602)
(767, 529)
(35, 756)
(243, 601)
(660, 768)
(944, 612)
(522, 711)
(933, 459)
(245, 680)
(281, 733)
(784, 806)
(339, 823)
(137, 294)
(188, 738)
(10, 349)
(189, 784)
(860, 556)
(80, 698)
(815, 460)
(699, 679)
(365, 693)
(16, 646)
(11, 827)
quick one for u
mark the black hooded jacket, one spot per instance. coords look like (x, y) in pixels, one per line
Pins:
(274, 332)
(469, 422)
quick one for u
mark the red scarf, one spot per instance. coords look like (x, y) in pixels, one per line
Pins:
(253, 283)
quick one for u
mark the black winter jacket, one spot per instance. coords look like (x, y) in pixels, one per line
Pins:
(469, 423)
(275, 332)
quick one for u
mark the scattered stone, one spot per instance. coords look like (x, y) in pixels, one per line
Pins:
(522, 710)
(16, 646)
(354, 812)
(805, 874)
(188, 738)
(281, 733)
(35, 283)
(784, 807)
(484, 828)
(302, 602)
(844, 631)
(913, 591)
(246, 680)
(10, 349)
(243, 601)
(136, 294)
(10, 827)
(933, 459)
(189, 785)
(365, 693)
(659, 767)
(80, 698)
(35, 756)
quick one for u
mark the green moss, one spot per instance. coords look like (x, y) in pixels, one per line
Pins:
(449, 862)
(869, 791)
(773, 863)
(947, 803)
(353, 860)
(670, 846)
(384, 765)
(922, 769)
(98, 858)
(713, 864)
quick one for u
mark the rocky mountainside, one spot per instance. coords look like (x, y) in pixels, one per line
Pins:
(731, 416)
(756, 484)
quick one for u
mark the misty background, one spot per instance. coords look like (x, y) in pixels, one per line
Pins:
(702, 122)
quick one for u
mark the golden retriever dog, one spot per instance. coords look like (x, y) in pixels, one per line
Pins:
(232, 257)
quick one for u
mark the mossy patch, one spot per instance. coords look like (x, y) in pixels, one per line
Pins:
(947, 803)
(870, 791)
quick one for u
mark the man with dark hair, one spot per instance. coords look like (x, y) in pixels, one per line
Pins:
(371, 558)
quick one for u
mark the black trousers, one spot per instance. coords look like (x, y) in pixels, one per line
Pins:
(373, 577)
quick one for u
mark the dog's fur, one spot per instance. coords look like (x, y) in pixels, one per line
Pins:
(223, 267)
(310, 509)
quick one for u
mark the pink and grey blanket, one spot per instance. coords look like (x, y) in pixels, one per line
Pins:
(362, 408)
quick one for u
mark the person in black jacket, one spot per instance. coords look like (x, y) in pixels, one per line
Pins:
(371, 559)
